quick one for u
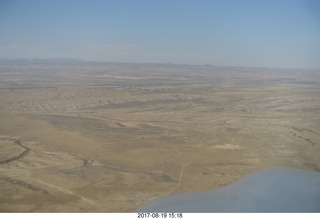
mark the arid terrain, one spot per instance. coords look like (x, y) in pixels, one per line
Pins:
(81, 136)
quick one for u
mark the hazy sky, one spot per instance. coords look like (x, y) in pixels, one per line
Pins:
(266, 33)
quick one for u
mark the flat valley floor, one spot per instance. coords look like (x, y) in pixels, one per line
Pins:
(108, 137)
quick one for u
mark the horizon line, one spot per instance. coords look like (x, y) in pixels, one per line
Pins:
(149, 63)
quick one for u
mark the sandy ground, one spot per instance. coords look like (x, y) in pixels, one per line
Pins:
(110, 141)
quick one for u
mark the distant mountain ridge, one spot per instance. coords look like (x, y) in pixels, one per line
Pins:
(68, 61)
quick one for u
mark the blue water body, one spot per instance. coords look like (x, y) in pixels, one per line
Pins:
(267, 190)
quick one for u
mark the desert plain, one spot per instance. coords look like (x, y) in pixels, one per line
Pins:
(80, 136)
